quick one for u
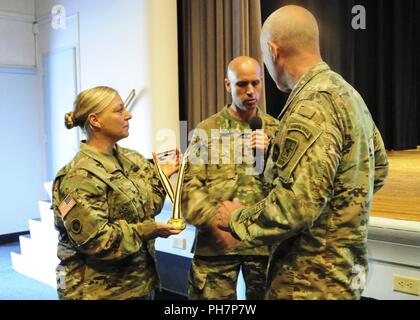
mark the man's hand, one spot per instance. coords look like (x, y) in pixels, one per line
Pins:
(224, 213)
(224, 238)
(259, 140)
(169, 162)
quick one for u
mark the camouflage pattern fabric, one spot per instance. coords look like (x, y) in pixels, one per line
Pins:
(215, 278)
(327, 160)
(214, 176)
(106, 246)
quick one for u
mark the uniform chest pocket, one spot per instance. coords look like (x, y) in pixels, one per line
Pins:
(221, 181)
(295, 141)
(122, 207)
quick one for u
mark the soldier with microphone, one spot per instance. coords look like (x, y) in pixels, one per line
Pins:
(220, 175)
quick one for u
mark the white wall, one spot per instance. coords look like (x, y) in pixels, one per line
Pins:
(21, 160)
(17, 42)
(21, 129)
(18, 6)
(386, 260)
(116, 50)
(164, 73)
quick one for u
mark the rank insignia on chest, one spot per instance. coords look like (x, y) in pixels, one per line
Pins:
(287, 152)
(66, 205)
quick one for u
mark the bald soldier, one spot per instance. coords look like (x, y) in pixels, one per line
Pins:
(326, 162)
(218, 171)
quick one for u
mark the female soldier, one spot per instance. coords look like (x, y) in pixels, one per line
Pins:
(104, 203)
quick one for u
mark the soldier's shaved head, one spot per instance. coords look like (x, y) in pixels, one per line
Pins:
(293, 28)
(243, 83)
(240, 63)
(290, 45)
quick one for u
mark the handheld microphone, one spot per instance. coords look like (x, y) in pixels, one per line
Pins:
(255, 123)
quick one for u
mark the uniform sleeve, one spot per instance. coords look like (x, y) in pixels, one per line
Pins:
(306, 166)
(381, 161)
(87, 221)
(197, 207)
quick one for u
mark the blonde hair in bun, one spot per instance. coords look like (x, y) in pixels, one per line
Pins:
(69, 120)
(94, 100)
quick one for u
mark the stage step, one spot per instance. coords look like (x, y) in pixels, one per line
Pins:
(47, 215)
(36, 269)
(38, 258)
(44, 249)
(40, 231)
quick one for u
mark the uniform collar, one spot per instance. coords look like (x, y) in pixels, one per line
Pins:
(303, 81)
(227, 114)
(109, 162)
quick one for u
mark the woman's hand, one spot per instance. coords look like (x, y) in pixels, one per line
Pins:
(169, 163)
(164, 230)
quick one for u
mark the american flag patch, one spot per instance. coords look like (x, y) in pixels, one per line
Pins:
(65, 206)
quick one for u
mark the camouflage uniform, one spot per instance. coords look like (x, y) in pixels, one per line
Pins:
(327, 161)
(214, 270)
(106, 246)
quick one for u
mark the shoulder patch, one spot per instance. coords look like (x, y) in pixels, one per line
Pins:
(300, 128)
(66, 205)
(288, 150)
(76, 226)
(311, 110)
(307, 112)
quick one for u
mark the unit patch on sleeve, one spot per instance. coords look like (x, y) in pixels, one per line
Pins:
(289, 148)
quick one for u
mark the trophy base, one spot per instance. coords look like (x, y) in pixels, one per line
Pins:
(177, 223)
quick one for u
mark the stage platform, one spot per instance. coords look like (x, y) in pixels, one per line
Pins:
(400, 197)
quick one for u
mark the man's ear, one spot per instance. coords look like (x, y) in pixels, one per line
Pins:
(228, 85)
(274, 50)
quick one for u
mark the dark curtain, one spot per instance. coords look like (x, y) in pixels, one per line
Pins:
(381, 62)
